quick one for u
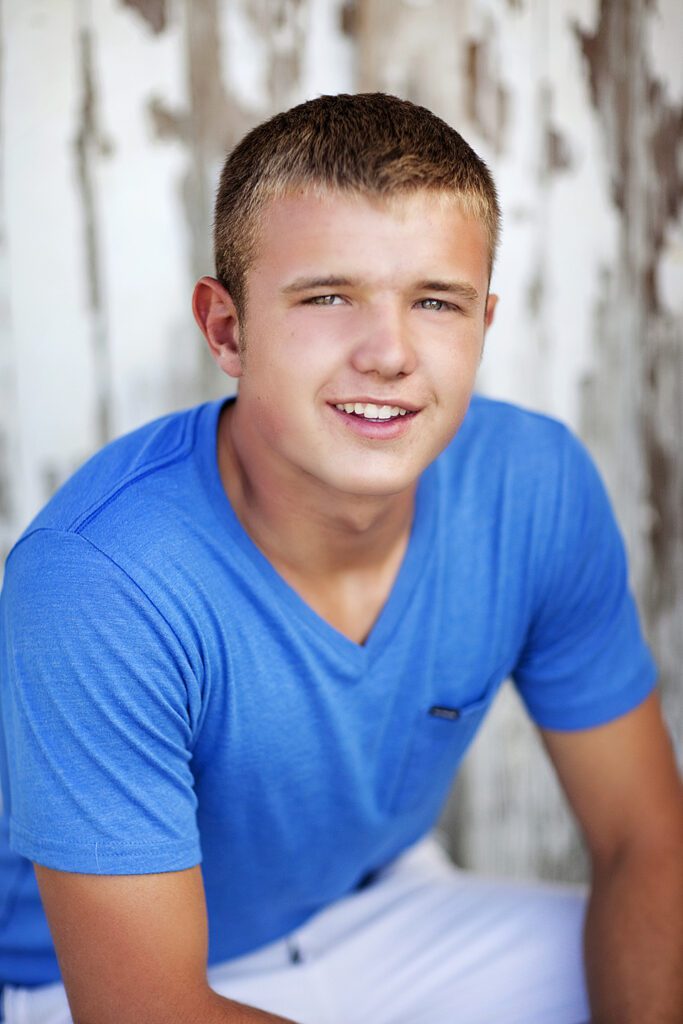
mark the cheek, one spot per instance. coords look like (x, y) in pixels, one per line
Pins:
(278, 406)
(468, 346)
(272, 416)
(455, 375)
(317, 339)
(458, 360)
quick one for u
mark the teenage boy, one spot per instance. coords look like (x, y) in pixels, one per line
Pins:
(245, 647)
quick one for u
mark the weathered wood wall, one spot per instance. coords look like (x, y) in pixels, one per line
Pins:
(115, 116)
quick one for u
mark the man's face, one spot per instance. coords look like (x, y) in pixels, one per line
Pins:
(354, 303)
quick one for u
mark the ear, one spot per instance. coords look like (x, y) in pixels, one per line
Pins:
(491, 303)
(216, 316)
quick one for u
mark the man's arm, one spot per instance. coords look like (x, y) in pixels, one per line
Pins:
(622, 783)
(133, 948)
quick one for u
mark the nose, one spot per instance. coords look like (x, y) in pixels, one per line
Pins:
(384, 346)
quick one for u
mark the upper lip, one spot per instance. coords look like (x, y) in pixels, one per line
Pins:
(400, 402)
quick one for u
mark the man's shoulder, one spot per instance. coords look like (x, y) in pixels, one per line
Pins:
(516, 461)
(118, 472)
(509, 423)
(507, 437)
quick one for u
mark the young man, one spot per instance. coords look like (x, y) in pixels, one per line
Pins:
(259, 636)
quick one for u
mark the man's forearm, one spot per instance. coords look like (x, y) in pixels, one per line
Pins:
(195, 1007)
(225, 1011)
(634, 939)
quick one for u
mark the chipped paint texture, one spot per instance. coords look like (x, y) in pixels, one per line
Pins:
(397, 44)
(152, 11)
(115, 116)
(51, 416)
(88, 144)
(639, 351)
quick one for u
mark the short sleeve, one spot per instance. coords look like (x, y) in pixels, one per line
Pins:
(95, 713)
(584, 661)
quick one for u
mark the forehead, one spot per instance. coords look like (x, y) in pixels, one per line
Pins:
(418, 233)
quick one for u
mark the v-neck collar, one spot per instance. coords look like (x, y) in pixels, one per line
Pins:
(412, 566)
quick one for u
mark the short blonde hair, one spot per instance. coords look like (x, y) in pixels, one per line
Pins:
(370, 144)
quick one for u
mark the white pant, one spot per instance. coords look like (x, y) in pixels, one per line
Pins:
(425, 943)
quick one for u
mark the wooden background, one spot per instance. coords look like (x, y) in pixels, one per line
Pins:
(114, 120)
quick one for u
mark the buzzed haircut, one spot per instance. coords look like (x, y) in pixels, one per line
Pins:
(369, 144)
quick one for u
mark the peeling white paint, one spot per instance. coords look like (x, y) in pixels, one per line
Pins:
(670, 272)
(147, 274)
(245, 57)
(664, 43)
(47, 293)
(328, 56)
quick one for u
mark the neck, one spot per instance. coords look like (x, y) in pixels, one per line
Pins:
(311, 530)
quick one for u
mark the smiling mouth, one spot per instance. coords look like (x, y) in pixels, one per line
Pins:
(372, 412)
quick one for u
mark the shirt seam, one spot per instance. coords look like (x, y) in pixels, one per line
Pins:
(109, 846)
(181, 451)
(140, 589)
(642, 681)
(81, 521)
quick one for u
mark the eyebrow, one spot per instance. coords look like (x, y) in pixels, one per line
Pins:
(460, 288)
(304, 284)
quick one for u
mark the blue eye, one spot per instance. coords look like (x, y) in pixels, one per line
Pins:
(439, 306)
(323, 300)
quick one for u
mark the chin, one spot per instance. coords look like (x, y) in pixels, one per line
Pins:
(373, 485)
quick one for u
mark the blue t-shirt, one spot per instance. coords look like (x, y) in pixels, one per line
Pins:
(168, 699)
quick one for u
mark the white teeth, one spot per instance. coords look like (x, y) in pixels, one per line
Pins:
(372, 411)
